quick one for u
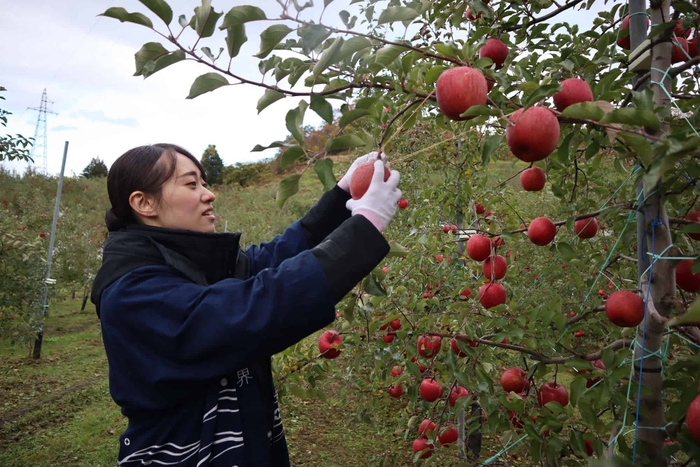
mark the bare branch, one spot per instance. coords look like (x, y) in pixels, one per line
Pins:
(552, 14)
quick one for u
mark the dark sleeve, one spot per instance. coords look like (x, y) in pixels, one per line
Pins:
(169, 328)
(349, 253)
(322, 219)
(325, 216)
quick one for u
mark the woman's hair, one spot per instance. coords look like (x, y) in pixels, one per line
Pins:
(146, 169)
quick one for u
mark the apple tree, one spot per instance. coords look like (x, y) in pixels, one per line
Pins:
(537, 305)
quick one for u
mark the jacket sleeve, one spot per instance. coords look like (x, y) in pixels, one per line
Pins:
(322, 219)
(179, 330)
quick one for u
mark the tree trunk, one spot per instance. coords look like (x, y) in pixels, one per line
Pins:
(654, 237)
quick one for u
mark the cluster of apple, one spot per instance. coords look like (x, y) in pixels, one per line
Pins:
(684, 48)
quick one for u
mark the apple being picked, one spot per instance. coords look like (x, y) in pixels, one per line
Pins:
(552, 392)
(533, 179)
(430, 390)
(457, 89)
(625, 309)
(328, 344)
(515, 380)
(362, 177)
(573, 91)
(492, 294)
(532, 134)
(478, 247)
(429, 346)
(541, 231)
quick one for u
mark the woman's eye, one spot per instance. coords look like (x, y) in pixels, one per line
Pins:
(192, 184)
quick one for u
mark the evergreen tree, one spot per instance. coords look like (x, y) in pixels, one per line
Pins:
(95, 169)
(213, 165)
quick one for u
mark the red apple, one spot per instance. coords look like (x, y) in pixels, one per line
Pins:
(395, 391)
(590, 382)
(430, 390)
(551, 391)
(426, 426)
(465, 293)
(478, 247)
(532, 179)
(497, 241)
(573, 91)
(328, 344)
(541, 231)
(685, 278)
(480, 209)
(439, 258)
(429, 346)
(471, 17)
(625, 309)
(692, 418)
(492, 294)
(496, 50)
(694, 216)
(456, 393)
(389, 337)
(423, 445)
(421, 367)
(494, 267)
(586, 228)
(448, 434)
(361, 178)
(624, 42)
(403, 203)
(395, 324)
(397, 370)
(589, 447)
(532, 134)
(515, 380)
(458, 89)
(680, 50)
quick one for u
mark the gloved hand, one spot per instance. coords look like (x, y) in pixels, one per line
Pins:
(379, 204)
(344, 182)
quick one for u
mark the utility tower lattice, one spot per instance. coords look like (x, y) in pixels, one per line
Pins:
(40, 131)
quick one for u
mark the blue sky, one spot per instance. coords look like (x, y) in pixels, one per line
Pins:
(86, 64)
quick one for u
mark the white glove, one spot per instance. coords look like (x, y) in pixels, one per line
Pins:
(379, 203)
(344, 182)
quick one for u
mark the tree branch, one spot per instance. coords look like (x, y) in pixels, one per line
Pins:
(552, 14)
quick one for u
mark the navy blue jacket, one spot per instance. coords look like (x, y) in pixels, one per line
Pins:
(189, 323)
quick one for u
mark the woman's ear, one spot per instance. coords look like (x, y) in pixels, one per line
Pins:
(144, 205)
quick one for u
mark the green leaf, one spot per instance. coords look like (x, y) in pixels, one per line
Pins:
(541, 93)
(388, 54)
(297, 391)
(577, 387)
(491, 143)
(352, 45)
(344, 142)
(529, 86)
(434, 73)
(397, 13)
(328, 56)
(324, 170)
(584, 110)
(349, 310)
(271, 37)
(565, 148)
(372, 286)
(162, 62)
(205, 83)
(276, 144)
(352, 115)
(205, 19)
(396, 249)
(312, 37)
(239, 15)
(235, 38)
(322, 107)
(160, 8)
(288, 187)
(476, 110)
(268, 98)
(125, 17)
(149, 51)
(632, 116)
(290, 155)
(566, 251)
(692, 316)
(640, 146)
(294, 120)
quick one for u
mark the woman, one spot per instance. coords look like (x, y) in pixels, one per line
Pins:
(190, 321)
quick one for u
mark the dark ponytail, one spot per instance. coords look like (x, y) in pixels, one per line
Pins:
(146, 169)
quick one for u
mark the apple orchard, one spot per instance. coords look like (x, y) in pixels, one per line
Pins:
(556, 315)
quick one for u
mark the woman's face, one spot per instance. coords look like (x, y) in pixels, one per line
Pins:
(186, 203)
